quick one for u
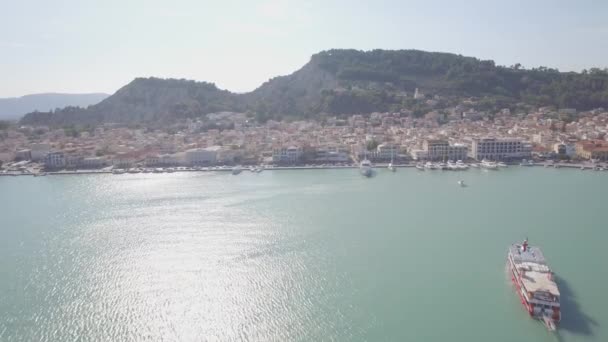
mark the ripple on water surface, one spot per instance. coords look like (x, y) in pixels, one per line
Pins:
(300, 255)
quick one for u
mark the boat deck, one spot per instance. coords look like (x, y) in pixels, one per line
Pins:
(536, 276)
(539, 281)
(531, 255)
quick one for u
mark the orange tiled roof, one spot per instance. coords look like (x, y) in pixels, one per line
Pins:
(595, 145)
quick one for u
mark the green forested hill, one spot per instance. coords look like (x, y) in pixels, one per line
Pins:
(346, 82)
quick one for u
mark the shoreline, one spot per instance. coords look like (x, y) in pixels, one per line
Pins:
(279, 168)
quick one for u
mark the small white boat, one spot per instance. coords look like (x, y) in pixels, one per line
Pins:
(430, 166)
(420, 167)
(461, 166)
(236, 170)
(118, 171)
(442, 166)
(365, 167)
(391, 166)
(461, 183)
(488, 165)
(501, 164)
(475, 165)
(525, 162)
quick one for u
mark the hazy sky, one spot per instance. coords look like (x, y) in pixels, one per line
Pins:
(98, 46)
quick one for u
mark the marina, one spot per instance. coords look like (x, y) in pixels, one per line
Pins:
(449, 166)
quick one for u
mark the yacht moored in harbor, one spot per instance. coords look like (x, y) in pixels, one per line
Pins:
(461, 166)
(488, 165)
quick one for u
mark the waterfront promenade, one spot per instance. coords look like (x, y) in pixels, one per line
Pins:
(580, 166)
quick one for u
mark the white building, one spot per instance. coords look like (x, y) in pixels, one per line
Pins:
(73, 161)
(332, 155)
(561, 149)
(168, 159)
(283, 155)
(500, 149)
(200, 156)
(442, 150)
(123, 160)
(152, 160)
(93, 162)
(387, 151)
(55, 160)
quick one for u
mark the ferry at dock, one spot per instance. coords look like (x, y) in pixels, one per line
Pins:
(534, 283)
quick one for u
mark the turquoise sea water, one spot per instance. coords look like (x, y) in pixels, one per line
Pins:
(297, 255)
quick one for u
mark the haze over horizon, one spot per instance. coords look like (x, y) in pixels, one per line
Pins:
(86, 47)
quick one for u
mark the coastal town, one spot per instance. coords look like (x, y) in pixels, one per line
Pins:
(237, 139)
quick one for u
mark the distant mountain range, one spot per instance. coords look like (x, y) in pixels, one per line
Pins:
(340, 82)
(14, 108)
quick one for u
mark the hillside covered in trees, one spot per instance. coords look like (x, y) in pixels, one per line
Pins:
(341, 82)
